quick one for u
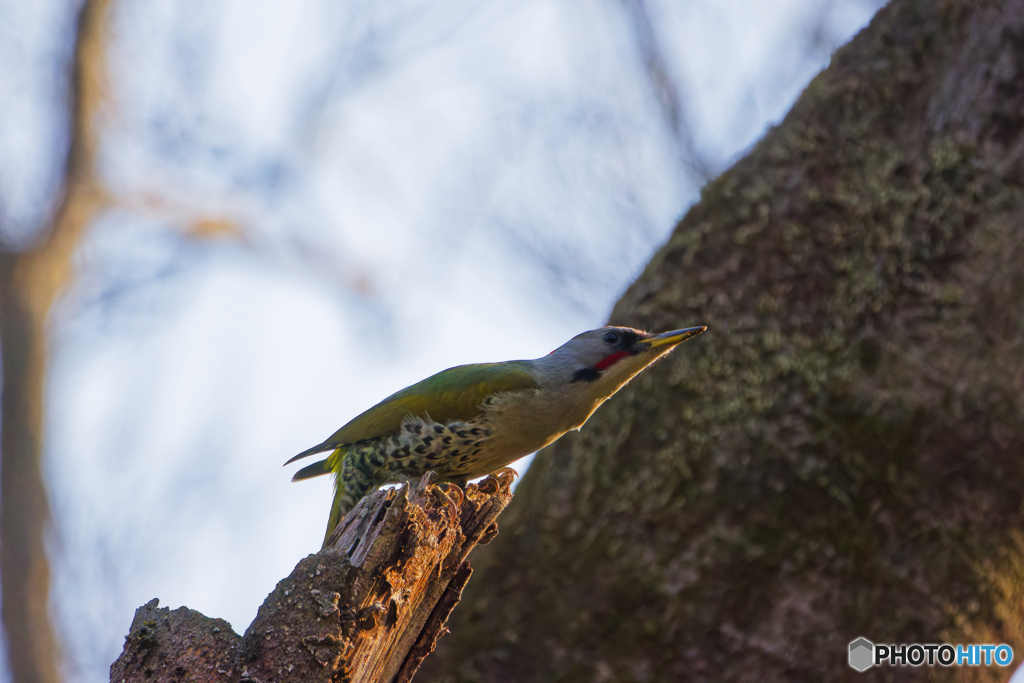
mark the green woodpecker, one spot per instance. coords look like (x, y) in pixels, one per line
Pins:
(471, 420)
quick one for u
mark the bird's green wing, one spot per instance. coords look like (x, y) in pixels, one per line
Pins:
(452, 395)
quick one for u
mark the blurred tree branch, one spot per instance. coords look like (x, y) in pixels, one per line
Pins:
(29, 283)
(670, 101)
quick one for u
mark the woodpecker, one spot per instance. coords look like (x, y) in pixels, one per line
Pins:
(471, 420)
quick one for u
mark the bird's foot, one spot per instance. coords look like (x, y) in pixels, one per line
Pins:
(461, 482)
(451, 496)
(497, 480)
(453, 491)
(505, 471)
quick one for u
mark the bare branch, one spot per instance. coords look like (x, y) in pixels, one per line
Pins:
(29, 282)
(669, 98)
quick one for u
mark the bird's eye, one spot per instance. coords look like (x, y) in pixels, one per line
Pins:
(610, 338)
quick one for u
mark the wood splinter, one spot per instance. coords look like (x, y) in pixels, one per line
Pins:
(369, 607)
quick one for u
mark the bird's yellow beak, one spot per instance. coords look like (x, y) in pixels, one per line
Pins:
(669, 338)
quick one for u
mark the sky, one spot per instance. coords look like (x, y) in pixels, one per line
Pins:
(402, 187)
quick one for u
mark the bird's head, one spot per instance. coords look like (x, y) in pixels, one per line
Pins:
(607, 358)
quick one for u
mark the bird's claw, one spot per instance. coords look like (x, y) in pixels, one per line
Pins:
(452, 497)
(506, 475)
(504, 471)
(455, 492)
(497, 480)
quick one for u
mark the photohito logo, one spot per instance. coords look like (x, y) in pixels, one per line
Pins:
(864, 654)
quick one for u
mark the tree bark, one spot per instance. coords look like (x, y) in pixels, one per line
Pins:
(841, 455)
(367, 608)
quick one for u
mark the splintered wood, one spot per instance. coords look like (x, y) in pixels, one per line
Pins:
(368, 607)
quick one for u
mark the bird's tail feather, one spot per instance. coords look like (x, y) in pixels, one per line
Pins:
(335, 517)
(319, 448)
(315, 470)
(352, 482)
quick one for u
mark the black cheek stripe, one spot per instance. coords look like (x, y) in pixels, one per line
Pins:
(586, 375)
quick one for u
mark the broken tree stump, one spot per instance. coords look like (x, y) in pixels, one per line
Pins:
(368, 607)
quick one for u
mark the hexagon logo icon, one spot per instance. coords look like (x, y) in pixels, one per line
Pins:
(862, 654)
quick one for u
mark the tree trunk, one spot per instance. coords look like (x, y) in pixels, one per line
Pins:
(366, 609)
(842, 454)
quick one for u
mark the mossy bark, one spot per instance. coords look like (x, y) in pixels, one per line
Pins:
(842, 454)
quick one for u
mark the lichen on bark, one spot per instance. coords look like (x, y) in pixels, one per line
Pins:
(840, 455)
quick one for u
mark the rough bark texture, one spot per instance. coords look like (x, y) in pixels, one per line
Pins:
(29, 282)
(367, 608)
(842, 454)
